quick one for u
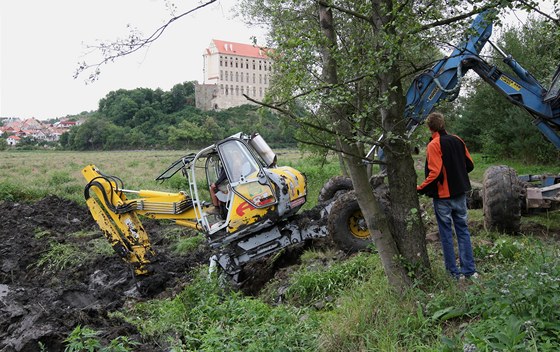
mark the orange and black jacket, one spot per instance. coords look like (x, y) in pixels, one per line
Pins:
(448, 163)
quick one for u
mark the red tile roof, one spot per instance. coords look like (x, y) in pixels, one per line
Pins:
(240, 49)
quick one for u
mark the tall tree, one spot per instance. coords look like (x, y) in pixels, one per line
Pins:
(347, 61)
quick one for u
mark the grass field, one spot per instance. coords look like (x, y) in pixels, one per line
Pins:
(344, 305)
(31, 175)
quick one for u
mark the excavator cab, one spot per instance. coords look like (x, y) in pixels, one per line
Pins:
(244, 193)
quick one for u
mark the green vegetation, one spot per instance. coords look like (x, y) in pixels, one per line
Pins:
(60, 256)
(84, 339)
(348, 306)
(143, 118)
(327, 304)
(205, 317)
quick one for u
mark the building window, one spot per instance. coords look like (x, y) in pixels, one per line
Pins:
(227, 90)
(260, 65)
(247, 77)
(254, 80)
(265, 78)
(242, 90)
(225, 63)
(236, 76)
(260, 78)
(220, 62)
(221, 89)
(221, 75)
(237, 90)
(260, 92)
(241, 77)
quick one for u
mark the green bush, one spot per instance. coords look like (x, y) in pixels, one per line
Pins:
(206, 317)
(15, 193)
(84, 339)
(310, 285)
(519, 306)
(188, 244)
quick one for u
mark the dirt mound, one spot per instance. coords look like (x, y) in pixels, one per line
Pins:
(38, 304)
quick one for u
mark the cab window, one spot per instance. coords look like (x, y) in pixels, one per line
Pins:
(239, 162)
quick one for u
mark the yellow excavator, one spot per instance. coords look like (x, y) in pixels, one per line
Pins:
(253, 215)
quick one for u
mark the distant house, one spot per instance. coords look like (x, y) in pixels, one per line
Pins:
(55, 133)
(13, 140)
(65, 124)
(32, 124)
(38, 135)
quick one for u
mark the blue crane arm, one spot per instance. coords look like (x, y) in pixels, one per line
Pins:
(442, 81)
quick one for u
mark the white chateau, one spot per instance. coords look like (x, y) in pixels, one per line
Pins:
(231, 70)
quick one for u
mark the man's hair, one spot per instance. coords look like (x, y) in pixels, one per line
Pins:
(435, 122)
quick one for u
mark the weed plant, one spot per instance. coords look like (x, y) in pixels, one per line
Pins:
(85, 339)
(207, 317)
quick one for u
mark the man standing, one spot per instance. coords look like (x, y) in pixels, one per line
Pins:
(448, 163)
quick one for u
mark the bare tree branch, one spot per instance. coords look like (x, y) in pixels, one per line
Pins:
(537, 10)
(128, 46)
(289, 114)
(323, 87)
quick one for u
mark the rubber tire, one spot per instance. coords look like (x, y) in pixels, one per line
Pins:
(334, 187)
(342, 213)
(501, 199)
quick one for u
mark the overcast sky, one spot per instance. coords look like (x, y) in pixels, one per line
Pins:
(41, 43)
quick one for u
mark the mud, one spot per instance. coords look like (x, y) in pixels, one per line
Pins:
(39, 305)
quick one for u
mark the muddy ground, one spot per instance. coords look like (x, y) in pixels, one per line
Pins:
(38, 305)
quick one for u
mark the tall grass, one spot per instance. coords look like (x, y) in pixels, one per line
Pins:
(31, 175)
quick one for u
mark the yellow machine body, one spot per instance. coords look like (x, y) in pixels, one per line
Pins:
(255, 201)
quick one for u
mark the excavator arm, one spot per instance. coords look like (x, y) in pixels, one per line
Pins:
(117, 216)
(443, 81)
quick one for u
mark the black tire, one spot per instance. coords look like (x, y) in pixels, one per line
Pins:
(502, 196)
(334, 188)
(346, 224)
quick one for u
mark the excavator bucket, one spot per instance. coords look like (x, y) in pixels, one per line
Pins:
(109, 207)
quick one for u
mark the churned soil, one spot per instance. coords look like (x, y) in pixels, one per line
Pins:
(39, 306)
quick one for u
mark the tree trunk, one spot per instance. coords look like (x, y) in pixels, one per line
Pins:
(371, 207)
(407, 226)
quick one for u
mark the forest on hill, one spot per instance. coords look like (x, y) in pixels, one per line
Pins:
(144, 118)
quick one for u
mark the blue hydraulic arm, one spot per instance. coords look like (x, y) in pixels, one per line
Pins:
(442, 81)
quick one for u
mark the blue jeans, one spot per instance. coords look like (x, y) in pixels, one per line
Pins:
(454, 211)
